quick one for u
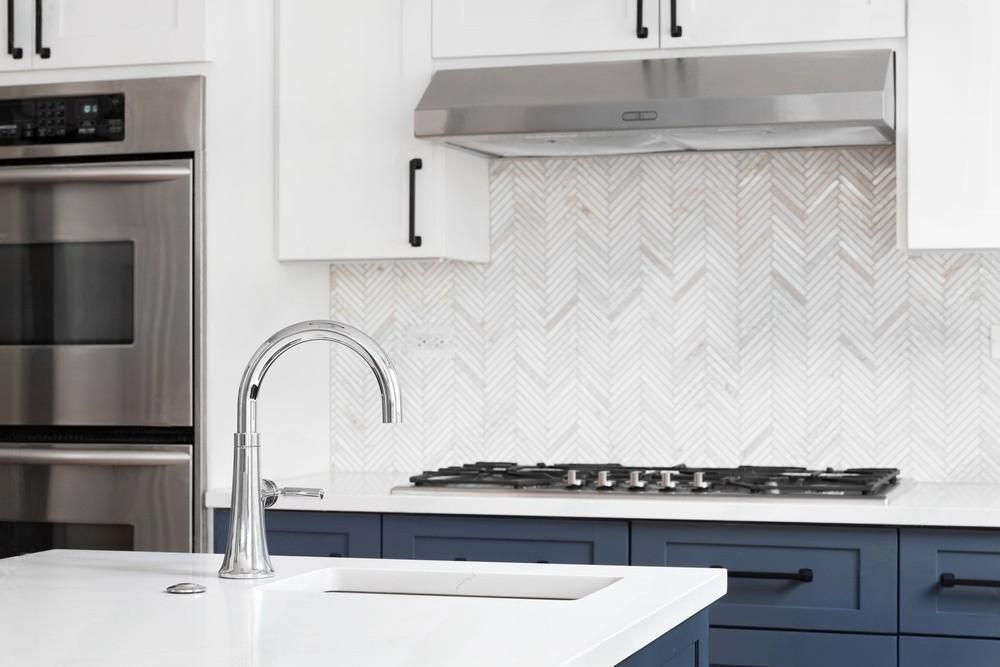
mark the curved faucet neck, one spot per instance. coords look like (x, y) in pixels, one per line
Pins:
(303, 332)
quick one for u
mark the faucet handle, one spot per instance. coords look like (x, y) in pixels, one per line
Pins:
(270, 492)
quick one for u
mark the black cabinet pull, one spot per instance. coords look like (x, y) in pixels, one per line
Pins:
(949, 580)
(43, 51)
(675, 30)
(641, 31)
(460, 558)
(336, 554)
(14, 52)
(542, 561)
(415, 164)
(803, 576)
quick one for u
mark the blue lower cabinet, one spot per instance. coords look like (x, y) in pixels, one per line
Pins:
(684, 646)
(785, 577)
(945, 652)
(505, 539)
(949, 582)
(775, 648)
(327, 534)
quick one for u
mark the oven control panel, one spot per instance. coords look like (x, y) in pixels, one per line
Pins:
(62, 120)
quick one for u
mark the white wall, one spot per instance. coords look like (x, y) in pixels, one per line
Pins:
(249, 294)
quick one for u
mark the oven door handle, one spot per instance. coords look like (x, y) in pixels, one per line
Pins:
(91, 174)
(92, 457)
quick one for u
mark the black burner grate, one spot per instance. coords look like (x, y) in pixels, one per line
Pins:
(742, 480)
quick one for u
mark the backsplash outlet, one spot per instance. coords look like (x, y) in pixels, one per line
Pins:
(712, 309)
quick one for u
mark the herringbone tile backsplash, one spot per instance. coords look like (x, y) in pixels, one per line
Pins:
(710, 309)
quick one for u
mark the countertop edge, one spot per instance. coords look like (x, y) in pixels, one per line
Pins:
(919, 504)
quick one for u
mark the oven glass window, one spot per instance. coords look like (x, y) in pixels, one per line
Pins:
(67, 293)
(26, 537)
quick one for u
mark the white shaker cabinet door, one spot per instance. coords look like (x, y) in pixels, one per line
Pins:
(952, 166)
(696, 23)
(345, 144)
(107, 33)
(465, 28)
(16, 31)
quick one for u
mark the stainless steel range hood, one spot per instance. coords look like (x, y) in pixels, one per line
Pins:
(844, 98)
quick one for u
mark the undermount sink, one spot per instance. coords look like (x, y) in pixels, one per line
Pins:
(445, 584)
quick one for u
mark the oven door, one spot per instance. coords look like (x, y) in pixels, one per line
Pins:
(96, 301)
(109, 497)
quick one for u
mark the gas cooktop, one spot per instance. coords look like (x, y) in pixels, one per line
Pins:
(680, 480)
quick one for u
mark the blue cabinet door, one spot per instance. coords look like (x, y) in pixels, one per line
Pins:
(929, 606)
(505, 539)
(328, 534)
(684, 646)
(821, 577)
(942, 652)
(774, 648)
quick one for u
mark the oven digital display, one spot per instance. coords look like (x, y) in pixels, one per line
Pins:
(67, 293)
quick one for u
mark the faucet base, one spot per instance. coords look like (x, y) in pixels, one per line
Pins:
(246, 575)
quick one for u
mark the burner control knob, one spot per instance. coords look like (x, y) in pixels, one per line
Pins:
(604, 481)
(667, 480)
(572, 480)
(699, 481)
(635, 481)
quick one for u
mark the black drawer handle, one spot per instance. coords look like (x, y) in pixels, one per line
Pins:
(675, 30)
(542, 561)
(641, 31)
(949, 580)
(460, 558)
(415, 165)
(14, 52)
(336, 554)
(43, 51)
(803, 576)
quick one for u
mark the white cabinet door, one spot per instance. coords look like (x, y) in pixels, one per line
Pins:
(16, 21)
(952, 166)
(513, 27)
(102, 33)
(345, 139)
(736, 22)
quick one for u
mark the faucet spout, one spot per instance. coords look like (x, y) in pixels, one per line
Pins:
(246, 550)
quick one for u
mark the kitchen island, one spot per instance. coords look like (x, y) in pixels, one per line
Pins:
(76, 608)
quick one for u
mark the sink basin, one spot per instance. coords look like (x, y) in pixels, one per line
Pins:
(445, 584)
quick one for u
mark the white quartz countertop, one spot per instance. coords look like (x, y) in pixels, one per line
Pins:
(89, 608)
(912, 504)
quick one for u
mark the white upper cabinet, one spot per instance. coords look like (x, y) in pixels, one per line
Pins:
(345, 145)
(57, 34)
(511, 27)
(465, 28)
(698, 23)
(950, 159)
(16, 32)
(104, 33)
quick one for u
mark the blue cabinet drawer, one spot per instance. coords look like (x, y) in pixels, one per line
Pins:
(775, 648)
(505, 539)
(927, 604)
(785, 577)
(328, 534)
(942, 652)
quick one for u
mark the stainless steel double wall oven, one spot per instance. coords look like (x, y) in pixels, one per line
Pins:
(100, 190)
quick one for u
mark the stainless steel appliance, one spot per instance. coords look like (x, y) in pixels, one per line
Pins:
(100, 191)
(662, 482)
(787, 100)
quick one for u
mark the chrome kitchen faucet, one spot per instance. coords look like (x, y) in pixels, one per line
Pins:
(246, 549)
